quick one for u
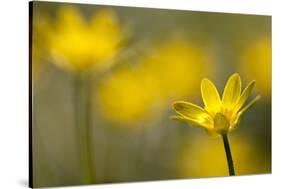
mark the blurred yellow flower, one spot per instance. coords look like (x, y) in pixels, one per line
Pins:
(170, 71)
(256, 63)
(77, 44)
(178, 65)
(218, 116)
(204, 157)
(130, 101)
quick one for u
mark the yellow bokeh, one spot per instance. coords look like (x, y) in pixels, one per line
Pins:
(178, 65)
(78, 44)
(170, 71)
(205, 157)
(126, 97)
(256, 64)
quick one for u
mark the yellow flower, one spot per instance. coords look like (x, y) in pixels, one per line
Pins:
(219, 116)
(134, 97)
(77, 44)
(172, 70)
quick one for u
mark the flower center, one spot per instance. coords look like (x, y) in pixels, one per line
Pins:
(221, 123)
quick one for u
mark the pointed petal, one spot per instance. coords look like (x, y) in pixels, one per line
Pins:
(245, 95)
(236, 122)
(245, 108)
(210, 96)
(186, 120)
(238, 118)
(193, 112)
(232, 91)
(178, 118)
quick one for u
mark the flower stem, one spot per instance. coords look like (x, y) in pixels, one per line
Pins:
(83, 126)
(228, 155)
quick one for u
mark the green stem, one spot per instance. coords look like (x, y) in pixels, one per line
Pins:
(82, 94)
(228, 155)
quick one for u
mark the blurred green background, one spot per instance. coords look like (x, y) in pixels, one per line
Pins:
(131, 64)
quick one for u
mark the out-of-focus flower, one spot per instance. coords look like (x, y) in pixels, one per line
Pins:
(125, 96)
(218, 116)
(171, 71)
(77, 44)
(80, 45)
(178, 66)
(204, 157)
(256, 63)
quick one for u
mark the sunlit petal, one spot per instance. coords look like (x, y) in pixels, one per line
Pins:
(186, 120)
(177, 117)
(245, 108)
(193, 112)
(236, 122)
(210, 96)
(245, 95)
(232, 91)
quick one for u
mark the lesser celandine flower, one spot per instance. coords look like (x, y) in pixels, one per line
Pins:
(77, 44)
(220, 115)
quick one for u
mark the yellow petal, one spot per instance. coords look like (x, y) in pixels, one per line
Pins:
(245, 95)
(193, 112)
(236, 122)
(244, 109)
(210, 96)
(232, 91)
(238, 118)
(185, 120)
(177, 117)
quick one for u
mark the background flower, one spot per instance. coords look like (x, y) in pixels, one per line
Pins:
(78, 44)
(144, 90)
